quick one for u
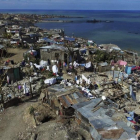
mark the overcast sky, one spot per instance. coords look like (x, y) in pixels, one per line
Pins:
(71, 4)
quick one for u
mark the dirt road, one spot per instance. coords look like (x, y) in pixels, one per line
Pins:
(14, 127)
(15, 54)
(12, 123)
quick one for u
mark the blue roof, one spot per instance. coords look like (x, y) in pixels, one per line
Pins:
(69, 39)
(61, 43)
(48, 40)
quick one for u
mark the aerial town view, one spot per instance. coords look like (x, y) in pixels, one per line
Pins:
(69, 70)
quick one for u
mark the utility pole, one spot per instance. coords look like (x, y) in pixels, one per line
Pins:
(113, 70)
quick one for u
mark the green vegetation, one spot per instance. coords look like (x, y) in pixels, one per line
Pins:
(103, 56)
(50, 74)
(7, 35)
(31, 58)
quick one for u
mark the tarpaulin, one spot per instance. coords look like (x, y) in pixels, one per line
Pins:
(16, 74)
(128, 70)
(50, 81)
(84, 78)
(55, 69)
(38, 66)
(83, 65)
(88, 65)
(135, 68)
(122, 63)
(43, 63)
(83, 51)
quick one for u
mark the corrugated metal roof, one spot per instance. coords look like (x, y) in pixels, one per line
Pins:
(102, 123)
(68, 96)
(82, 99)
(57, 88)
(75, 95)
(95, 134)
(69, 39)
(63, 102)
(71, 96)
(69, 99)
(98, 119)
(79, 94)
(75, 101)
(80, 105)
(67, 91)
(66, 101)
(56, 47)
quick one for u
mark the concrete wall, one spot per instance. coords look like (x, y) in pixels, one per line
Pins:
(51, 55)
(103, 69)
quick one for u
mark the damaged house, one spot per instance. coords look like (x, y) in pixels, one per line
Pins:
(99, 117)
(61, 99)
(30, 37)
(14, 73)
(53, 52)
(101, 121)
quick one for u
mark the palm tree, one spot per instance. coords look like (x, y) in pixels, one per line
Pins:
(2, 81)
(70, 47)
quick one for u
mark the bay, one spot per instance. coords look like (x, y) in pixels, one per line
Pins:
(124, 31)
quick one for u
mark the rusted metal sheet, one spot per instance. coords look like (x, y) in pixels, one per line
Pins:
(78, 121)
(69, 99)
(79, 94)
(67, 92)
(66, 101)
(63, 102)
(75, 101)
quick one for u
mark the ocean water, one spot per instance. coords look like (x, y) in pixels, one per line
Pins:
(124, 31)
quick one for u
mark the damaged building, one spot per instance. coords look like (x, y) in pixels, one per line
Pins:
(101, 121)
(99, 117)
(62, 99)
(14, 73)
(53, 52)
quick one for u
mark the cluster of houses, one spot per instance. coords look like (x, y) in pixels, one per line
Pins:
(106, 78)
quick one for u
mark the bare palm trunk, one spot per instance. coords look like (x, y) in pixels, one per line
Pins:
(2, 99)
(72, 63)
(31, 90)
(34, 118)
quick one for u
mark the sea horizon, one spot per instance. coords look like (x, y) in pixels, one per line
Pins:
(124, 31)
(67, 10)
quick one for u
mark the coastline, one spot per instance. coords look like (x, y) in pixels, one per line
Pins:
(70, 74)
(116, 32)
(122, 31)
